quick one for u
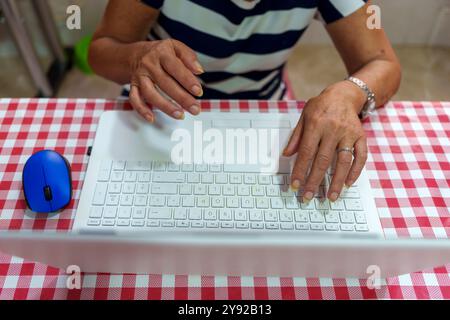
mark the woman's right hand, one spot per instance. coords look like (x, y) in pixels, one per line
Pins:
(171, 66)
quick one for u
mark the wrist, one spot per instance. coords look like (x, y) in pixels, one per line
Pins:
(350, 93)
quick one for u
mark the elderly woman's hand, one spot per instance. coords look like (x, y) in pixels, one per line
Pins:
(171, 66)
(329, 123)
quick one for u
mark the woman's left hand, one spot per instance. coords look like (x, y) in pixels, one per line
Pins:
(329, 122)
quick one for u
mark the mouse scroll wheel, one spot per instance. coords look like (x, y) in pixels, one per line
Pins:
(48, 193)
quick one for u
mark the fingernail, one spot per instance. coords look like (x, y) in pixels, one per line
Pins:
(346, 186)
(149, 117)
(295, 185)
(334, 196)
(194, 110)
(308, 196)
(199, 67)
(178, 115)
(197, 90)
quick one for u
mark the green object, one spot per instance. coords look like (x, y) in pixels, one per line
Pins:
(81, 55)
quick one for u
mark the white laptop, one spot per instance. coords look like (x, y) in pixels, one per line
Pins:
(141, 212)
(132, 183)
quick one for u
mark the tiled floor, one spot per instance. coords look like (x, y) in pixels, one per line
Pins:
(311, 68)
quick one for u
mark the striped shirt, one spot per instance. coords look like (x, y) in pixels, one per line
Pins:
(243, 45)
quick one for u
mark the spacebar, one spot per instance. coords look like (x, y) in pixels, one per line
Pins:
(250, 168)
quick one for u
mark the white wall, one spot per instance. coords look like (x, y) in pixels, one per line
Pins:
(415, 22)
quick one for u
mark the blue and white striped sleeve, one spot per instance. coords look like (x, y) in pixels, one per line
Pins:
(333, 10)
(156, 4)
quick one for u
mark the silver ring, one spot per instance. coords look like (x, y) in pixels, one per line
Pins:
(347, 149)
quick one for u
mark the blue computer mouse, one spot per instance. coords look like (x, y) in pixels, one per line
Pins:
(47, 182)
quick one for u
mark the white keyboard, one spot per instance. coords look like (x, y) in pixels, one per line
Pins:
(157, 195)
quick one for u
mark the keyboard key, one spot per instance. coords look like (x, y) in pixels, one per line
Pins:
(240, 215)
(249, 178)
(142, 188)
(138, 213)
(272, 225)
(270, 215)
(316, 216)
(248, 203)
(256, 215)
(126, 200)
(286, 226)
(114, 187)
(123, 222)
(214, 190)
(227, 225)
(217, 202)
(103, 175)
(243, 190)
(212, 224)
(229, 190)
(119, 165)
(110, 212)
(182, 224)
(200, 189)
(235, 178)
(273, 191)
(195, 214)
(317, 227)
(197, 224)
(308, 206)
(193, 177)
(346, 217)
(257, 190)
(185, 189)
(187, 167)
(332, 217)
(207, 178)
(128, 187)
(169, 177)
(262, 203)
(353, 204)
(278, 180)
(173, 201)
(242, 225)
(210, 214)
(180, 213)
(347, 227)
(93, 222)
(108, 222)
(257, 225)
(96, 212)
(117, 176)
(322, 204)
(362, 228)
(360, 217)
(337, 205)
(286, 216)
(202, 201)
(232, 202)
(157, 201)
(100, 193)
(167, 224)
(291, 202)
(188, 201)
(302, 226)
(153, 224)
(264, 179)
(201, 167)
(159, 166)
(221, 178)
(332, 227)
(225, 214)
(124, 212)
(137, 223)
(350, 193)
(172, 167)
(276, 203)
(129, 176)
(143, 176)
(138, 165)
(112, 199)
(159, 213)
(215, 167)
(301, 216)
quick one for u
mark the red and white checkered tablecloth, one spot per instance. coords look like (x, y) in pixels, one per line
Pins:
(408, 166)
